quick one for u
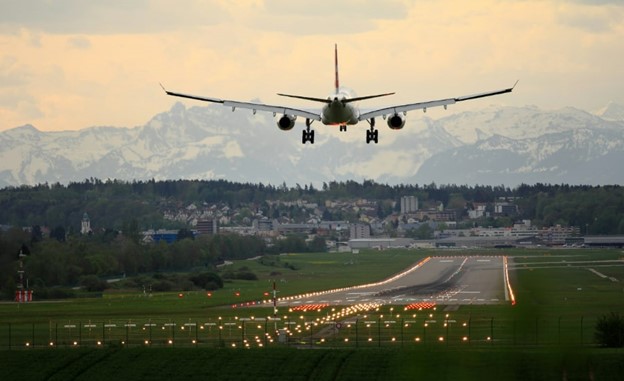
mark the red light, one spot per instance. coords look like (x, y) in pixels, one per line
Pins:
(266, 294)
(237, 293)
(209, 294)
(180, 295)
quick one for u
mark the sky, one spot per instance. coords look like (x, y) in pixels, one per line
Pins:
(73, 64)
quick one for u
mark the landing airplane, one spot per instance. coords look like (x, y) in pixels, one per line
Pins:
(340, 109)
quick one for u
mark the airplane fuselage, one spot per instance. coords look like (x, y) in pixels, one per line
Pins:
(338, 112)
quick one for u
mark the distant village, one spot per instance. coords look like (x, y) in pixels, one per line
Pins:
(410, 226)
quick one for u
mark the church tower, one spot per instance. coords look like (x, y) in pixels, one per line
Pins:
(85, 226)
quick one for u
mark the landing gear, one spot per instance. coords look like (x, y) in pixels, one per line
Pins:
(308, 134)
(343, 127)
(372, 134)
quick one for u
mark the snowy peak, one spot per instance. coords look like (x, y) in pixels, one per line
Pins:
(612, 111)
(516, 122)
(497, 145)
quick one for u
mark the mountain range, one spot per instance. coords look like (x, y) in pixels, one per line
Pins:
(495, 145)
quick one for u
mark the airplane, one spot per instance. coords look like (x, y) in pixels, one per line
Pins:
(340, 109)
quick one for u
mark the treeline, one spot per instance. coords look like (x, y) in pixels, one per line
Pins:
(114, 204)
(88, 260)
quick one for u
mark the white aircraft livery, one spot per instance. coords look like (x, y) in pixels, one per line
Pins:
(340, 109)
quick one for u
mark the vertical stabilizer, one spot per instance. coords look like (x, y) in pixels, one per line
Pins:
(337, 83)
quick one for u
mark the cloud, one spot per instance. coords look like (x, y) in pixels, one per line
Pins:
(82, 63)
(107, 17)
(79, 42)
(593, 19)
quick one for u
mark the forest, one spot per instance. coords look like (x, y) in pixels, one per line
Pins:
(121, 210)
(113, 204)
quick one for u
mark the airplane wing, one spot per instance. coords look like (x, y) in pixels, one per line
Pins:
(425, 105)
(249, 105)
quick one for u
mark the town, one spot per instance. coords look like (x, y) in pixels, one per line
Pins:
(407, 226)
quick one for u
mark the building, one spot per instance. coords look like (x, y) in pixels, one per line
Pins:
(263, 225)
(168, 236)
(505, 209)
(85, 224)
(409, 204)
(557, 235)
(207, 227)
(359, 231)
(437, 215)
(380, 243)
(296, 228)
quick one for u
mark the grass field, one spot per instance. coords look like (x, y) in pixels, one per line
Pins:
(547, 333)
(318, 365)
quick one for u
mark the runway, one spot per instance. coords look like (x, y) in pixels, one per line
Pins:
(439, 280)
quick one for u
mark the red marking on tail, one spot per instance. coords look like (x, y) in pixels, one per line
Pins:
(337, 82)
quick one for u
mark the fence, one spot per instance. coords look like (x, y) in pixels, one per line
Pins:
(424, 329)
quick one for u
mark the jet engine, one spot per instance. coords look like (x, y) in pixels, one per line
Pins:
(396, 121)
(286, 122)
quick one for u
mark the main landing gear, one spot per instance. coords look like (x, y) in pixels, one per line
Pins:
(372, 134)
(343, 127)
(308, 134)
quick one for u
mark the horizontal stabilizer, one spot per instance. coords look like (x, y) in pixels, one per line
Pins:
(321, 100)
(325, 100)
(357, 99)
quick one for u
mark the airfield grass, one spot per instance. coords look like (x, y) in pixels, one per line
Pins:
(318, 365)
(312, 272)
(547, 334)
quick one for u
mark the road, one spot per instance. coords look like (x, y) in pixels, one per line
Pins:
(440, 280)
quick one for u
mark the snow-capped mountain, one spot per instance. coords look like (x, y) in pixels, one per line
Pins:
(501, 145)
(612, 111)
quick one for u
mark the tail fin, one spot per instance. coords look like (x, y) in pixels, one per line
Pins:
(337, 83)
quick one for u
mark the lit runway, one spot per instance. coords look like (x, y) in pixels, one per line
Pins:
(440, 280)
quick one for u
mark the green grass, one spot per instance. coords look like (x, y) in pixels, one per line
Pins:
(320, 271)
(548, 331)
(318, 365)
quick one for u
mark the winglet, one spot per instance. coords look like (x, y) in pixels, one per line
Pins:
(514, 86)
(163, 87)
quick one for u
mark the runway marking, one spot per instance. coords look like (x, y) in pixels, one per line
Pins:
(361, 293)
(598, 273)
(470, 292)
(446, 261)
(484, 260)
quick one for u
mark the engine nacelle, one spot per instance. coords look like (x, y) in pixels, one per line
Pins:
(396, 121)
(286, 122)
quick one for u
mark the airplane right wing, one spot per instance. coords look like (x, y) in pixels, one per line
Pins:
(249, 105)
(425, 105)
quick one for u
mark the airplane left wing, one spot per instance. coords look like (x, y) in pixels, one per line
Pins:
(425, 105)
(249, 105)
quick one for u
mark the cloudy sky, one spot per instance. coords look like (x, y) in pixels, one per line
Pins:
(71, 64)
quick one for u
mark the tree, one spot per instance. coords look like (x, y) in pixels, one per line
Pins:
(58, 233)
(317, 245)
(36, 234)
(424, 231)
(185, 233)
(207, 280)
(610, 330)
(92, 283)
